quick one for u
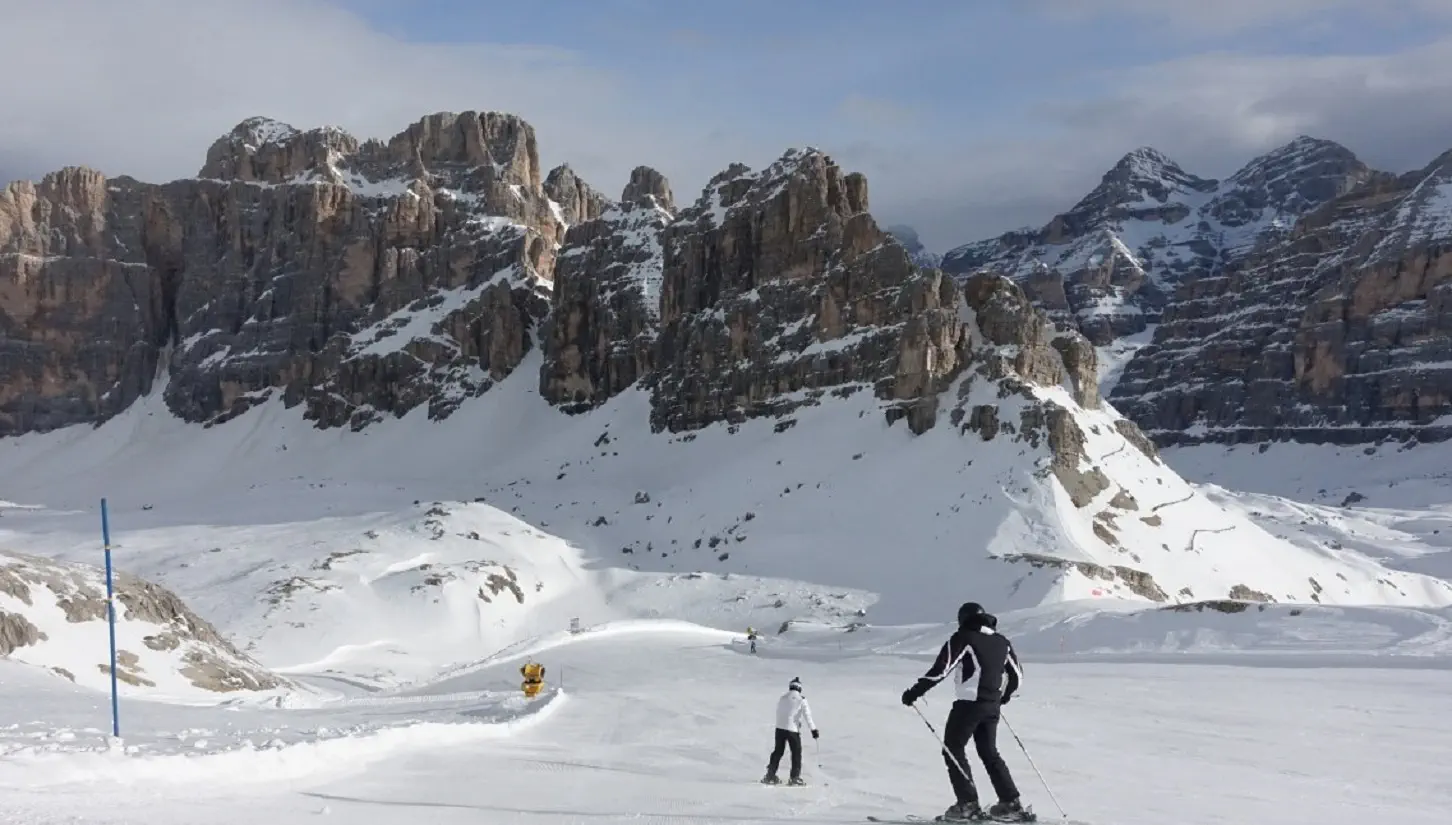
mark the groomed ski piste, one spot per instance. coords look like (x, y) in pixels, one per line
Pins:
(395, 580)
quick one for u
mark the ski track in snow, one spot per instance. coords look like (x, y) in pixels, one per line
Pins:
(674, 726)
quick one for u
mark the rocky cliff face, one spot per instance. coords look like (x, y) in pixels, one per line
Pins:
(1302, 298)
(368, 279)
(605, 316)
(1111, 263)
(359, 279)
(1339, 332)
(774, 290)
(362, 280)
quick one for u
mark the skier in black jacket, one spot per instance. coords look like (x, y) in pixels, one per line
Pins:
(988, 674)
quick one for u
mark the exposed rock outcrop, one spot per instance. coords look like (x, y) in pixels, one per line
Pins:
(1305, 297)
(778, 285)
(370, 279)
(602, 332)
(1341, 333)
(360, 279)
(908, 237)
(158, 636)
(578, 201)
(1110, 264)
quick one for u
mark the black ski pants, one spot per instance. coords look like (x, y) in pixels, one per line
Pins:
(977, 721)
(784, 739)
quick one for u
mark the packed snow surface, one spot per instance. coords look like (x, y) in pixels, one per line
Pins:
(672, 724)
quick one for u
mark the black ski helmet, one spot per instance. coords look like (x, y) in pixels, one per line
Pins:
(972, 614)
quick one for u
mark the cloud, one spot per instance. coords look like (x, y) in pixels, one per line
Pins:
(1219, 17)
(145, 86)
(1211, 112)
(1394, 109)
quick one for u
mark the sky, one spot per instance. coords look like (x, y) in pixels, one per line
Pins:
(969, 117)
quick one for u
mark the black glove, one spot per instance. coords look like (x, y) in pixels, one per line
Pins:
(1005, 698)
(913, 694)
(816, 735)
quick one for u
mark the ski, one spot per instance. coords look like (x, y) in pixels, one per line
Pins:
(911, 818)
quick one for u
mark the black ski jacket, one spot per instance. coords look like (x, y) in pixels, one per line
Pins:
(987, 666)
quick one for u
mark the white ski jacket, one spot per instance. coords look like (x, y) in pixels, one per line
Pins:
(793, 712)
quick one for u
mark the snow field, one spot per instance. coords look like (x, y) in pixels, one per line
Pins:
(673, 726)
(400, 575)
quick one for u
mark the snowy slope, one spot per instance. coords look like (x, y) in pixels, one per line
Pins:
(327, 552)
(1389, 502)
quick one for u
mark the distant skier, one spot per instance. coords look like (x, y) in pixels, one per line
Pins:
(988, 674)
(792, 714)
(751, 638)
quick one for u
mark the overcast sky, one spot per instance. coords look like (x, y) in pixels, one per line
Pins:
(969, 117)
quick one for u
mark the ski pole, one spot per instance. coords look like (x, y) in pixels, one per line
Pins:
(942, 744)
(825, 782)
(1032, 765)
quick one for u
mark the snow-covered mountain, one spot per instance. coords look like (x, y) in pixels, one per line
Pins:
(430, 418)
(1111, 264)
(1337, 334)
(392, 475)
(399, 417)
(1301, 298)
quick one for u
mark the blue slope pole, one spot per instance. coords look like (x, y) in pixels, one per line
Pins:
(111, 620)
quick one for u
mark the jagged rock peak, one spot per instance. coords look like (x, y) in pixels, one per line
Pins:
(649, 188)
(1145, 173)
(260, 131)
(473, 139)
(578, 201)
(1300, 151)
(263, 150)
(1145, 160)
(1289, 181)
(737, 186)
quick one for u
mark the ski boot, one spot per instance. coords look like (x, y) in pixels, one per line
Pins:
(796, 780)
(770, 779)
(1011, 810)
(963, 812)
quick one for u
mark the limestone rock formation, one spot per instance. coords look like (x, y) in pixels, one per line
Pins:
(780, 283)
(360, 279)
(773, 290)
(577, 201)
(1341, 332)
(363, 280)
(602, 331)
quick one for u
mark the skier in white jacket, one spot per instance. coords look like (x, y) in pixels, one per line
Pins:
(792, 715)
